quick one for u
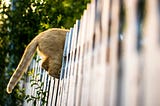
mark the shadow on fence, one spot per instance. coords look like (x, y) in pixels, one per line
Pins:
(111, 58)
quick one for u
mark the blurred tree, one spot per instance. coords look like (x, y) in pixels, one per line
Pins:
(20, 21)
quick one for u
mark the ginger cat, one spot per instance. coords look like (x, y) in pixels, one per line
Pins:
(49, 45)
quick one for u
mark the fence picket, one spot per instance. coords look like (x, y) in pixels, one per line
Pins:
(151, 54)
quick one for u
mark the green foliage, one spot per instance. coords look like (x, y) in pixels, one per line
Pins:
(38, 86)
(20, 21)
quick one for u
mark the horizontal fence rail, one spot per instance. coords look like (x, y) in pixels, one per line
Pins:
(111, 58)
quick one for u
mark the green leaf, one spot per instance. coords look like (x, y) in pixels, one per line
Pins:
(29, 99)
(33, 97)
(31, 80)
(38, 87)
(35, 83)
(27, 96)
(37, 60)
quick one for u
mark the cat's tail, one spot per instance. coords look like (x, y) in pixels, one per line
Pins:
(23, 65)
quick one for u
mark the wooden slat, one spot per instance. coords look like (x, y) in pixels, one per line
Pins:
(113, 51)
(66, 75)
(151, 54)
(71, 89)
(130, 76)
(85, 64)
(50, 91)
(61, 82)
(80, 68)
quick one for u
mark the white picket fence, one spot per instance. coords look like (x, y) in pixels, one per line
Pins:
(111, 58)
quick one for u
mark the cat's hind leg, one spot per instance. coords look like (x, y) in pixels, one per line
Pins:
(45, 63)
(54, 68)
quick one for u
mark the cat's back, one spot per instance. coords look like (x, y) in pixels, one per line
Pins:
(52, 40)
(53, 33)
